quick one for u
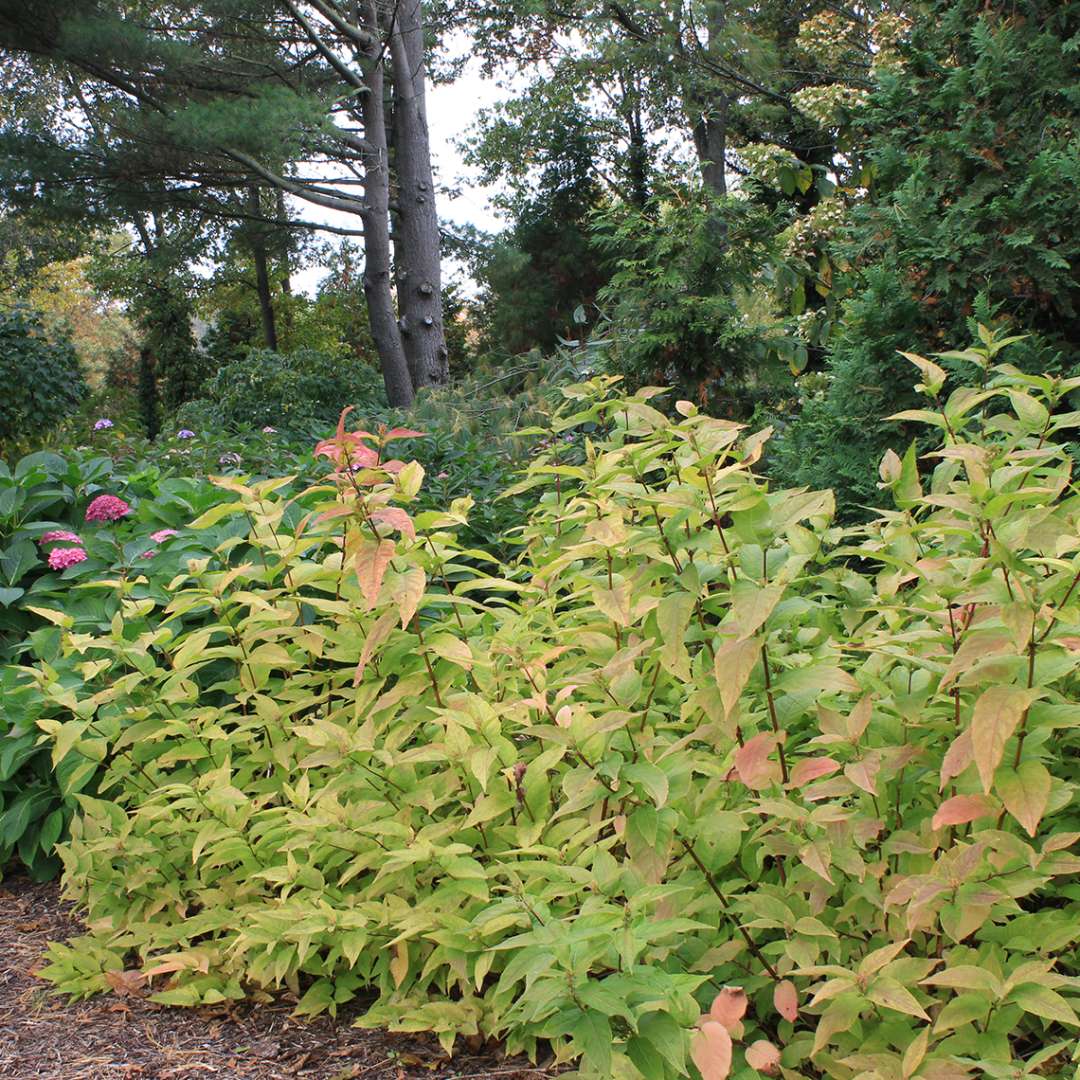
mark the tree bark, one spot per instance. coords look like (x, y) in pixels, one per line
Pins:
(710, 142)
(257, 243)
(417, 239)
(376, 218)
(709, 119)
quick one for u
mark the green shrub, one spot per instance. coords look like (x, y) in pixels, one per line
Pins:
(678, 297)
(701, 775)
(41, 376)
(300, 390)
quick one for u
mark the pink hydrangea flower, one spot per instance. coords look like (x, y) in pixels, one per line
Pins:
(107, 508)
(60, 536)
(148, 554)
(162, 535)
(62, 558)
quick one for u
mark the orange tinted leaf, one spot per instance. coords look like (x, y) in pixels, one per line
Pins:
(729, 1007)
(711, 1050)
(961, 809)
(753, 764)
(863, 774)
(396, 518)
(371, 563)
(786, 1000)
(812, 769)
(403, 433)
(957, 758)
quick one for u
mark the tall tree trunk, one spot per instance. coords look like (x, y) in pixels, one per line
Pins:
(257, 242)
(709, 117)
(417, 243)
(638, 156)
(376, 218)
(286, 244)
(710, 142)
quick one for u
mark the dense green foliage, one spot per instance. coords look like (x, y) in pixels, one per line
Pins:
(299, 390)
(45, 493)
(541, 276)
(678, 301)
(700, 776)
(40, 374)
(973, 148)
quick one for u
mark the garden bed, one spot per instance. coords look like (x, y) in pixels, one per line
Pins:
(109, 1037)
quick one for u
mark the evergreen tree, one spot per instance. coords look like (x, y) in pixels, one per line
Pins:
(544, 268)
(205, 101)
(973, 156)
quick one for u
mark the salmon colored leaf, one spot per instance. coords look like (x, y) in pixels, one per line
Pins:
(729, 1007)
(764, 1057)
(786, 1000)
(711, 1050)
(961, 809)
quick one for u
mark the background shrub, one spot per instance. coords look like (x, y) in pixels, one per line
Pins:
(293, 391)
(41, 376)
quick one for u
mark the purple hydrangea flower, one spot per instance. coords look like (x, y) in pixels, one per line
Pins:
(185, 433)
(103, 424)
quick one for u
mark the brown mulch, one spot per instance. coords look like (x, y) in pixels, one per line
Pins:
(109, 1038)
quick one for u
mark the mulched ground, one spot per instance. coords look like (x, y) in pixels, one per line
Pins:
(106, 1038)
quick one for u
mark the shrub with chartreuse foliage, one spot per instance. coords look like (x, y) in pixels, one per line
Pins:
(41, 376)
(701, 785)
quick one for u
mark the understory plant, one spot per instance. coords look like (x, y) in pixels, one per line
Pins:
(699, 785)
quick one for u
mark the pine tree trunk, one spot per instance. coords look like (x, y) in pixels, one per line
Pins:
(262, 271)
(417, 240)
(376, 218)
